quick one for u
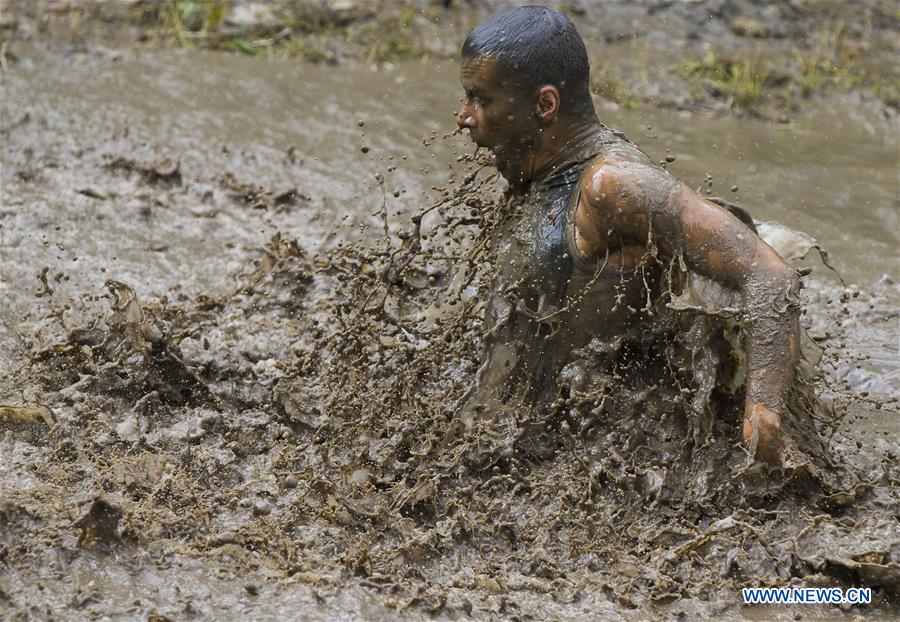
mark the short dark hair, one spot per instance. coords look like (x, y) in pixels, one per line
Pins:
(536, 46)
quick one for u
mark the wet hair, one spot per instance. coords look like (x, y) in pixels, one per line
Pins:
(536, 46)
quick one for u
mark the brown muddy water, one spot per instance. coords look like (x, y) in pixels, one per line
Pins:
(186, 241)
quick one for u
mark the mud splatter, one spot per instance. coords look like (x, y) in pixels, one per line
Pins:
(305, 427)
(287, 438)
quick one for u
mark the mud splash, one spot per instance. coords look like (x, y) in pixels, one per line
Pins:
(278, 443)
(296, 429)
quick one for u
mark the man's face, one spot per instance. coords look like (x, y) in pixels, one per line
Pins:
(498, 118)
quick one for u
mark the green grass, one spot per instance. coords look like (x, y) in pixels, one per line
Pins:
(830, 63)
(616, 91)
(829, 58)
(189, 20)
(376, 33)
(740, 80)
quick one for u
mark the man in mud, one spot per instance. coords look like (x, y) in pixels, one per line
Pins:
(596, 241)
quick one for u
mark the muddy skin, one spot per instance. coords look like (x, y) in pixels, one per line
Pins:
(625, 198)
(282, 434)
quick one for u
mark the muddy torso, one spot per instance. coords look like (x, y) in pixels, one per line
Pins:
(546, 302)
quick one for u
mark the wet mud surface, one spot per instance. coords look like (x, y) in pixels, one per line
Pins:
(237, 335)
(769, 61)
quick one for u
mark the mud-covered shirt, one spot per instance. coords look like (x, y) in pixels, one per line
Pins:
(546, 301)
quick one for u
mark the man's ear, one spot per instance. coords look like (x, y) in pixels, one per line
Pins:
(546, 108)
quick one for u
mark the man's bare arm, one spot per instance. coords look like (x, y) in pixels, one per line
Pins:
(625, 203)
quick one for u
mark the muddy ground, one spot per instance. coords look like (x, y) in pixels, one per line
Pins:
(243, 286)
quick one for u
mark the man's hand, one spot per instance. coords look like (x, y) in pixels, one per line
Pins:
(762, 433)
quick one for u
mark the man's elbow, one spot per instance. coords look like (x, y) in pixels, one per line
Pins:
(781, 276)
(784, 278)
(784, 291)
(794, 282)
(772, 283)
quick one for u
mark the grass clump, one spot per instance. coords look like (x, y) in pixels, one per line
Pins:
(190, 20)
(741, 81)
(832, 62)
(375, 32)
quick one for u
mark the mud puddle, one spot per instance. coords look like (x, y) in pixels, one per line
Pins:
(248, 382)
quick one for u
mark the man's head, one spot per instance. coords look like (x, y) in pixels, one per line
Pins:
(523, 71)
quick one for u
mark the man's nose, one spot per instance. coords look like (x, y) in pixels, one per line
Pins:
(464, 119)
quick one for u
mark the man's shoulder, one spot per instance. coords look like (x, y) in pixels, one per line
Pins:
(607, 142)
(607, 170)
